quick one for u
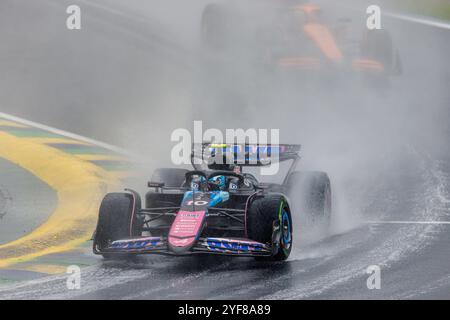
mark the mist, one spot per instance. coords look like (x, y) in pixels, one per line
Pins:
(132, 83)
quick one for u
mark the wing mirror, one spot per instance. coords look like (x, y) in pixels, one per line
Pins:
(152, 184)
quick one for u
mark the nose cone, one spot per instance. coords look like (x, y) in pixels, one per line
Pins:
(185, 230)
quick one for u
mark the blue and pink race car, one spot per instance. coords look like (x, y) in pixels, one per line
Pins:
(217, 210)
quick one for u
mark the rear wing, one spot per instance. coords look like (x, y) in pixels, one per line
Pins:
(244, 154)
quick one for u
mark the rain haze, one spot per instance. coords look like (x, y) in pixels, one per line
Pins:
(138, 70)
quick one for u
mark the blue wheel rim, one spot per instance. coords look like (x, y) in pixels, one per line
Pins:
(286, 230)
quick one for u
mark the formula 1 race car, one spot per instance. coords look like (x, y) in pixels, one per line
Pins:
(294, 35)
(220, 210)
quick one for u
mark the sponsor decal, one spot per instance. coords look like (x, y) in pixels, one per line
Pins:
(256, 151)
(181, 242)
(228, 245)
(185, 228)
(137, 243)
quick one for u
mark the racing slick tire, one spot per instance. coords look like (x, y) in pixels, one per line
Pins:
(117, 220)
(378, 45)
(171, 177)
(215, 26)
(310, 192)
(263, 214)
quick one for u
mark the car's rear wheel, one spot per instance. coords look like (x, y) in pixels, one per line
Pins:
(117, 220)
(310, 194)
(265, 213)
(378, 45)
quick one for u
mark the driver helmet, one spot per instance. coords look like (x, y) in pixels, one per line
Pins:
(219, 180)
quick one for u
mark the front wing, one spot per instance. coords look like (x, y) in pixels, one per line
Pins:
(209, 245)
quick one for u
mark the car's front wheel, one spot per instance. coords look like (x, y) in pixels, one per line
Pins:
(117, 220)
(265, 214)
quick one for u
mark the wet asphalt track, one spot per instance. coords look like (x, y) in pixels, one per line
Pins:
(414, 258)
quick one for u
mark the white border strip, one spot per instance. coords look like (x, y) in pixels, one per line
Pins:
(419, 19)
(408, 222)
(66, 134)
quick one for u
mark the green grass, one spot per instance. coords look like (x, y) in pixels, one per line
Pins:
(5, 281)
(434, 8)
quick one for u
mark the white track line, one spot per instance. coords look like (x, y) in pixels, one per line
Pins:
(425, 20)
(408, 222)
(419, 19)
(65, 134)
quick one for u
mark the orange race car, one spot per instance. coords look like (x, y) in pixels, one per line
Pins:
(294, 35)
